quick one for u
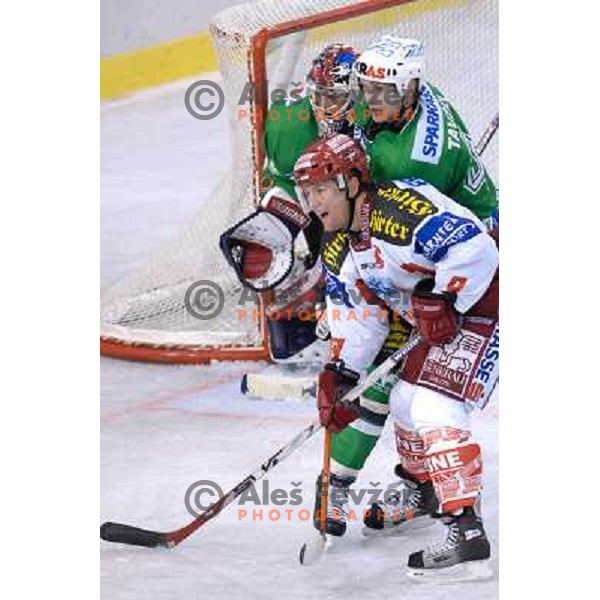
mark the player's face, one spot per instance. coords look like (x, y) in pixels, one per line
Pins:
(384, 100)
(329, 101)
(329, 204)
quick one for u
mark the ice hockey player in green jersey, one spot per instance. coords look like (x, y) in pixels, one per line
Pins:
(410, 130)
(407, 126)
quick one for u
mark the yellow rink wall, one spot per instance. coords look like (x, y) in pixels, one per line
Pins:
(124, 73)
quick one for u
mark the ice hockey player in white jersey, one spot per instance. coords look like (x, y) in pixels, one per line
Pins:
(433, 262)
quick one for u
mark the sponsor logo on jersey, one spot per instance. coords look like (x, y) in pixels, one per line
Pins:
(408, 200)
(485, 376)
(396, 213)
(448, 366)
(377, 262)
(429, 138)
(383, 287)
(454, 133)
(335, 250)
(388, 228)
(441, 233)
(337, 290)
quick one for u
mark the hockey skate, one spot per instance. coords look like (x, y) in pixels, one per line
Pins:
(462, 556)
(337, 506)
(406, 501)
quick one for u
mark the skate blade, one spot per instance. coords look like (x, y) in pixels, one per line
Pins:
(401, 529)
(313, 549)
(475, 570)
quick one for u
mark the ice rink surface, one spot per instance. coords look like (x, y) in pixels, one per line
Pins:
(165, 427)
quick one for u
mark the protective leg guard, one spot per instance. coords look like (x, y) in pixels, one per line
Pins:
(411, 450)
(454, 464)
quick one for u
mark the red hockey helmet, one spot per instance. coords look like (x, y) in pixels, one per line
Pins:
(336, 157)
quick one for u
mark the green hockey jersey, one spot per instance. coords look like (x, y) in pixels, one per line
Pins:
(433, 146)
(289, 129)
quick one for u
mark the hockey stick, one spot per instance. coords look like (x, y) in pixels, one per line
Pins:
(127, 534)
(313, 549)
(325, 482)
(488, 134)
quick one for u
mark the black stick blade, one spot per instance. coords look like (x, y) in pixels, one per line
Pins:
(125, 534)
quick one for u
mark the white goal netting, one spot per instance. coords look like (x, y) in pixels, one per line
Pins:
(147, 308)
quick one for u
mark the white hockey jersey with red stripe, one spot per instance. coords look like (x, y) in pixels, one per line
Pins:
(409, 231)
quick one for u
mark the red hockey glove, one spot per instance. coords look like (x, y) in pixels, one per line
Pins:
(335, 381)
(436, 317)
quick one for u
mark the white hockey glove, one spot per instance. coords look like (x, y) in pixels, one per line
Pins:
(260, 247)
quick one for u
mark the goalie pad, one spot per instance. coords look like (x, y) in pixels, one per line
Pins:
(260, 248)
(292, 319)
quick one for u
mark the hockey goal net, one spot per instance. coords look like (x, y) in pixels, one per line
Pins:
(270, 44)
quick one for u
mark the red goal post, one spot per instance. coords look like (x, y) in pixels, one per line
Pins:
(261, 40)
